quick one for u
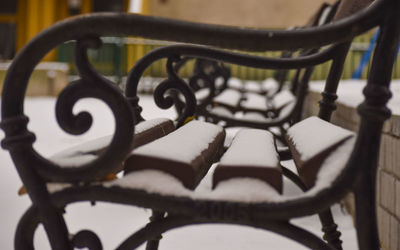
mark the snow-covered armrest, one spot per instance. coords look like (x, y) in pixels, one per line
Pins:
(186, 153)
(311, 142)
(252, 154)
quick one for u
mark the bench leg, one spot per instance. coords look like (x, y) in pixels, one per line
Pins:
(329, 227)
(153, 243)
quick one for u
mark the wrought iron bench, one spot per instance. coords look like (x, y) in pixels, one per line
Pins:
(328, 169)
(232, 102)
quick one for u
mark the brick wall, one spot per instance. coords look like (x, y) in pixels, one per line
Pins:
(388, 186)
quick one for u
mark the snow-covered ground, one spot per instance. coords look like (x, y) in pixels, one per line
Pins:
(349, 93)
(113, 223)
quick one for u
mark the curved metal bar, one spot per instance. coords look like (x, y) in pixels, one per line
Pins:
(204, 208)
(163, 225)
(90, 85)
(224, 56)
(118, 24)
(294, 178)
(28, 224)
(87, 239)
(175, 83)
(23, 238)
(233, 122)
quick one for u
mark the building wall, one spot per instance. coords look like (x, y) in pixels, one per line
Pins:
(254, 13)
(388, 184)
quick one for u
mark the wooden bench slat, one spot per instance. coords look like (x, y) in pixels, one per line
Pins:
(186, 153)
(253, 87)
(145, 132)
(235, 83)
(270, 86)
(229, 98)
(311, 141)
(252, 154)
(282, 99)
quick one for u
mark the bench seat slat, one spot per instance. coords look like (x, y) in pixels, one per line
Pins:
(253, 87)
(186, 153)
(235, 83)
(252, 154)
(254, 102)
(282, 98)
(270, 86)
(311, 141)
(229, 98)
(145, 132)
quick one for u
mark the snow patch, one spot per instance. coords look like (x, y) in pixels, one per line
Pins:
(252, 147)
(181, 145)
(313, 135)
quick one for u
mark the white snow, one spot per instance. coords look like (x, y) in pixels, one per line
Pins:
(333, 165)
(252, 147)
(350, 93)
(219, 82)
(148, 124)
(202, 94)
(235, 83)
(80, 154)
(313, 135)
(282, 98)
(252, 86)
(270, 85)
(287, 110)
(255, 101)
(324, 15)
(229, 97)
(181, 145)
(221, 111)
(110, 222)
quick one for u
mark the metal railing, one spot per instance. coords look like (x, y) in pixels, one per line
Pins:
(118, 55)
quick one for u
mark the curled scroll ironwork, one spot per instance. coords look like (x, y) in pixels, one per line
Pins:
(174, 83)
(91, 85)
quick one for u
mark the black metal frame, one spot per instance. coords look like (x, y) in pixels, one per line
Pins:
(299, 86)
(358, 176)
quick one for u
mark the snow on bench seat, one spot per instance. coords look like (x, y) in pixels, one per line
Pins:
(235, 83)
(254, 102)
(253, 86)
(270, 86)
(255, 116)
(221, 111)
(145, 132)
(252, 154)
(229, 98)
(200, 95)
(186, 153)
(311, 141)
(247, 190)
(282, 99)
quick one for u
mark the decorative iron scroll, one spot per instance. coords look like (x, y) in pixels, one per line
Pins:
(174, 82)
(35, 170)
